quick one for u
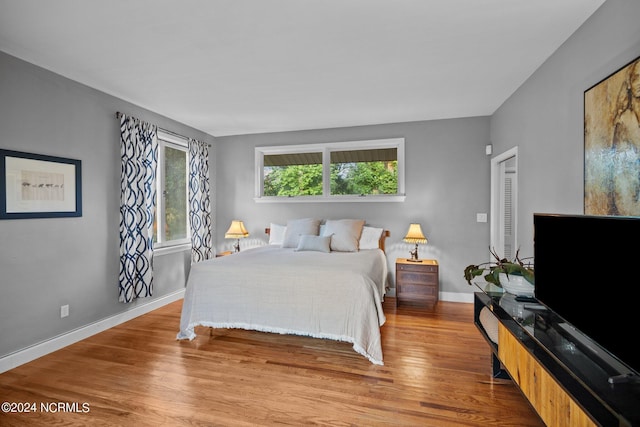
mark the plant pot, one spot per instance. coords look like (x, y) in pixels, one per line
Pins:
(516, 285)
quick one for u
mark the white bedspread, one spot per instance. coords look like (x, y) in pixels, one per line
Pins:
(335, 295)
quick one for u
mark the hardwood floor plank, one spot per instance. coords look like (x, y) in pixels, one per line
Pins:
(436, 373)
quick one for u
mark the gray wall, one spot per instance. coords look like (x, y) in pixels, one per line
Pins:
(45, 263)
(447, 173)
(545, 116)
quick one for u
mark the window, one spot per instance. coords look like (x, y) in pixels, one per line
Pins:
(294, 174)
(344, 171)
(171, 226)
(364, 172)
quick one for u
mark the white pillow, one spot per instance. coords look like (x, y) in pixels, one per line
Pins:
(298, 227)
(345, 234)
(276, 234)
(370, 238)
(314, 243)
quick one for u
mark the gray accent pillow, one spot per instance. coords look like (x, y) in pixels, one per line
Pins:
(314, 243)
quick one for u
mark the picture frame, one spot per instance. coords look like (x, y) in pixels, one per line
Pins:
(39, 186)
(612, 144)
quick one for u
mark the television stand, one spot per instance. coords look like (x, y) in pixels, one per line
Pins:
(565, 383)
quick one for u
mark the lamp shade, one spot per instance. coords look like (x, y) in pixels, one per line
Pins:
(236, 230)
(415, 235)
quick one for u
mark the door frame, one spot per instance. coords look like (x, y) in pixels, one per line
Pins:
(497, 163)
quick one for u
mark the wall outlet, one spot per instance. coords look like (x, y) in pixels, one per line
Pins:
(481, 217)
(64, 310)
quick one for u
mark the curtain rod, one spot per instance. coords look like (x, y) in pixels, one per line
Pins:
(177, 135)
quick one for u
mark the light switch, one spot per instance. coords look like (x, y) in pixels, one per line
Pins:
(481, 217)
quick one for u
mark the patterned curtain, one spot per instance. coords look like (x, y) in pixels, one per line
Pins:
(199, 202)
(139, 156)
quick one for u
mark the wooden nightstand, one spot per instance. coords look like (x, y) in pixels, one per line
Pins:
(417, 282)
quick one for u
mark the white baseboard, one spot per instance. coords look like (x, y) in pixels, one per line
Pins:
(456, 297)
(28, 354)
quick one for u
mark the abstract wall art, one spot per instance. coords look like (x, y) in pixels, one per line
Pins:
(612, 144)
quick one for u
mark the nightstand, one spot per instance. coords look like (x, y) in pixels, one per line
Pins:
(417, 282)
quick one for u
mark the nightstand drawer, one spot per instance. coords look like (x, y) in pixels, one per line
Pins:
(422, 268)
(411, 277)
(417, 290)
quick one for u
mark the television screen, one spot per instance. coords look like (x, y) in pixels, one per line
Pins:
(585, 271)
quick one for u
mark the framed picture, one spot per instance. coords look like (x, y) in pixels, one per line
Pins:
(38, 186)
(612, 144)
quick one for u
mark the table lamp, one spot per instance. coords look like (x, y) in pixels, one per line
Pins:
(415, 235)
(236, 231)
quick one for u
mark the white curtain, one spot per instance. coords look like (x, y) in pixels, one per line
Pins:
(139, 157)
(199, 202)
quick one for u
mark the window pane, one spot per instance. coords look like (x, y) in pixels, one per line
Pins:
(298, 174)
(364, 172)
(175, 200)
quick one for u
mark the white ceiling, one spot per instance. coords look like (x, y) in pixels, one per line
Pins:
(246, 66)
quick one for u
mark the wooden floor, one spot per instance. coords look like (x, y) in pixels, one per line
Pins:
(436, 373)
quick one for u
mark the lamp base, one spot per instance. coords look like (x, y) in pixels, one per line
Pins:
(414, 255)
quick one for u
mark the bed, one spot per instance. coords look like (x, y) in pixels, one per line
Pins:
(295, 288)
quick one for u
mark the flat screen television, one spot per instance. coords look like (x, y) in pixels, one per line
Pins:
(587, 271)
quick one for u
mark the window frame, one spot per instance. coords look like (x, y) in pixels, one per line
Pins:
(176, 142)
(326, 149)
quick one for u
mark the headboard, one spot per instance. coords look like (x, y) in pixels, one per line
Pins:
(385, 234)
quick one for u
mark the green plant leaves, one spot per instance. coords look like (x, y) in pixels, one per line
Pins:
(491, 270)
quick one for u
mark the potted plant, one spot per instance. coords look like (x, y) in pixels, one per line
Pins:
(500, 271)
